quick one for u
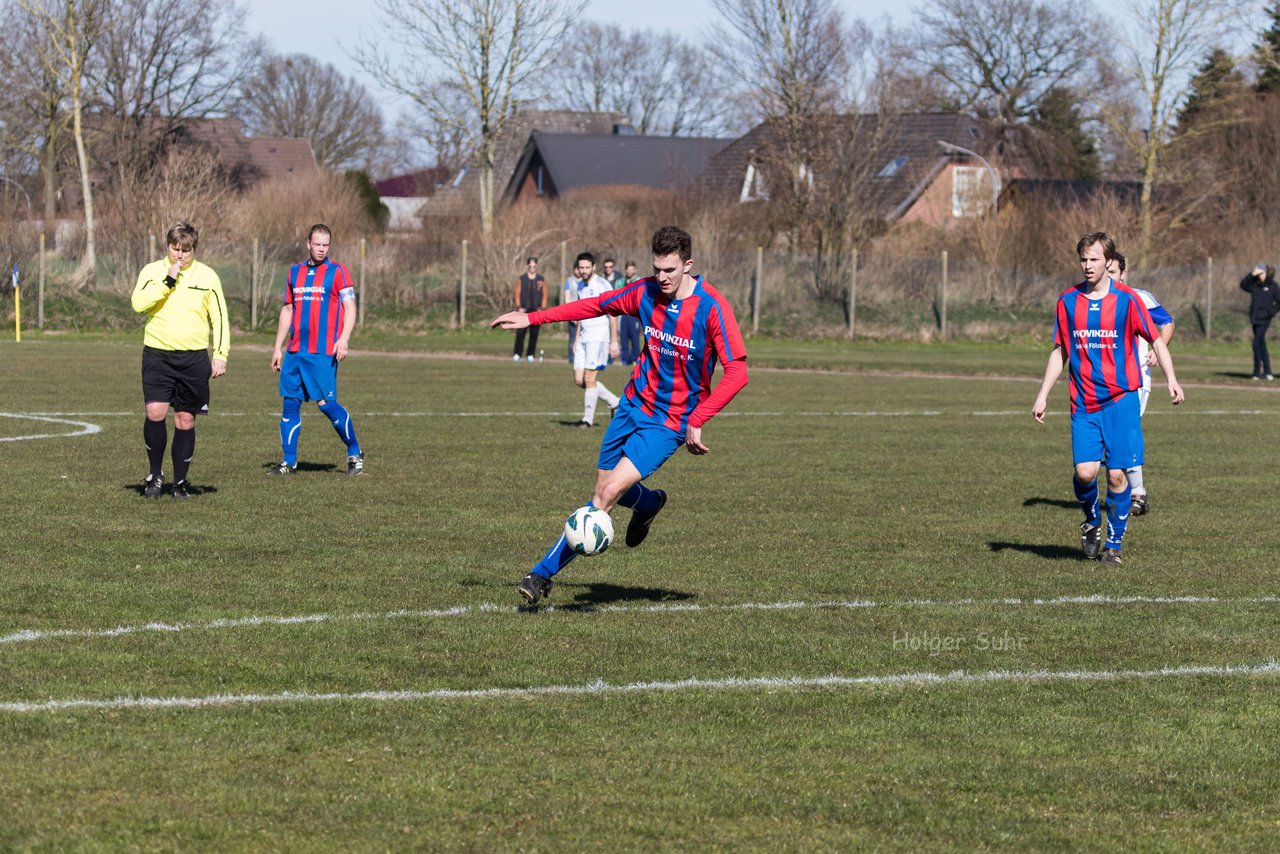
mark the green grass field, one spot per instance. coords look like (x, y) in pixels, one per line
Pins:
(861, 622)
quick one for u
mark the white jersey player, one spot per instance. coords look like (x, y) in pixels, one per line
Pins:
(597, 341)
(1164, 322)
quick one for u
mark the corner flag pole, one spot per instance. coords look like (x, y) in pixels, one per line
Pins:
(17, 305)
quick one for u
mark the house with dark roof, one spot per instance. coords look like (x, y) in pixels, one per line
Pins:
(553, 164)
(251, 159)
(405, 194)
(912, 167)
(1063, 191)
(461, 193)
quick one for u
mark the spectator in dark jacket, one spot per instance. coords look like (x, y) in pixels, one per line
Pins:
(1261, 285)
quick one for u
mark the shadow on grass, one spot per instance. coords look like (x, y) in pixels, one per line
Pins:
(1048, 552)
(588, 597)
(577, 424)
(136, 489)
(306, 467)
(1235, 375)
(1052, 502)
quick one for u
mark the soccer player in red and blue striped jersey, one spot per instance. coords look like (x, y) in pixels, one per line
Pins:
(1096, 332)
(317, 318)
(688, 329)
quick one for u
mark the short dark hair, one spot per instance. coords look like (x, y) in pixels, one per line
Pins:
(672, 240)
(532, 259)
(629, 264)
(608, 260)
(322, 228)
(585, 256)
(184, 235)
(1120, 260)
(1108, 245)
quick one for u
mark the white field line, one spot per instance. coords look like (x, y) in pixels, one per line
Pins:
(86, 429)
(955, 677)
(837, 413)
(31, 635)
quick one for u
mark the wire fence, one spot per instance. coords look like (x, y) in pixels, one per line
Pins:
(403, 284)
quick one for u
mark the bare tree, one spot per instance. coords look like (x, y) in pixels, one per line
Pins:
(664, 84)
(300, 96)
(492, 50)
(792, 53)
(33, 111)
(1160, 48)
(72, 26)
(157, 65)
(998, 59)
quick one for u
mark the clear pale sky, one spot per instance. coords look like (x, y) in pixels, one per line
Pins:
(330, 29)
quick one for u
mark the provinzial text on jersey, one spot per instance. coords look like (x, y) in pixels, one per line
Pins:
(668, 338)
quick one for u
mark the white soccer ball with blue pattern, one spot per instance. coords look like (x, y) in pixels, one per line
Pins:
(588, 531)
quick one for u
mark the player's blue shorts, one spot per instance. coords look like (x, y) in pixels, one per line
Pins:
(646, 443)
(1112, 435)
(309, 376)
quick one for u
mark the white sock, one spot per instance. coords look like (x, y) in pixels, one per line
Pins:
(589, 395)
(1135, 480)
(607, 396)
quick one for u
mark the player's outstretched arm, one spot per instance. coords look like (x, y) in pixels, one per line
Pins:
(1052, 371)
(510, 320)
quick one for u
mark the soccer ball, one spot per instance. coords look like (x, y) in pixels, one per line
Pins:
(588, 531)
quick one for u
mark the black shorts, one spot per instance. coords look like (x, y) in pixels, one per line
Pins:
(177, 377)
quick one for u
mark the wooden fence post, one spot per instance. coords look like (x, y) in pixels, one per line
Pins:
(253, 286)
(942, 297)
(462, 289)
(1208, 301)
(756, 288)
(853, 291)
(40, 287)
(364, 253)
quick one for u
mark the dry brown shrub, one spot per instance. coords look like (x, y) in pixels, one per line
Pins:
(280, 211)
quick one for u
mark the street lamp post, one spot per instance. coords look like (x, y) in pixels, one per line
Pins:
(952, 148)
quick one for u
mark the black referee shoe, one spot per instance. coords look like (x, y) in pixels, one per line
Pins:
(153, 485)
(180, 491)
(281, 468)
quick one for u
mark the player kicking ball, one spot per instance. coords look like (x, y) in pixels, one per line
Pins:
(688, 328)
(1098, 324)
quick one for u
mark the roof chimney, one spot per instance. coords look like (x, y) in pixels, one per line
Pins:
(624, 129)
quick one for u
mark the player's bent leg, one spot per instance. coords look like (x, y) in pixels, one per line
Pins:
(613, 484)
(622, 487)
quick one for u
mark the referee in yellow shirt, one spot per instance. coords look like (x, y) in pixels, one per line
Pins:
(183, 301)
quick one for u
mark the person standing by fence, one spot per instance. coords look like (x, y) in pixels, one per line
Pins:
(531, 295)
(1264, 295)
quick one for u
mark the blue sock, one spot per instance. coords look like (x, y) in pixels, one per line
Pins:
(640, 498)
(1087, 493)
(341, 420)
(1118, 506)
(290, 427)
(557, 558)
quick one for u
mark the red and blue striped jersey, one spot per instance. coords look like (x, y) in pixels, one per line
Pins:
(318, 294)
(1100, 337)
(684, 341)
